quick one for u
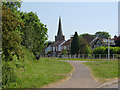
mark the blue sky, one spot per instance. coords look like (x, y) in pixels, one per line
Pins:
(83, 17)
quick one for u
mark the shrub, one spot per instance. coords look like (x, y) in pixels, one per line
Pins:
(87, 50)
(8, 76)
(99, 50)
(104, 50)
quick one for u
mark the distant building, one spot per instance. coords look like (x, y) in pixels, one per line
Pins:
(117, 40)
(61, 44)
(60, 36)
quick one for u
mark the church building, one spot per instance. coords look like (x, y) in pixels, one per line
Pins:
(56, 48)
(59, 39)
(61, 44)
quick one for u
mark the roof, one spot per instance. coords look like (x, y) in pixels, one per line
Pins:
(57, 43)
(95, 41)
(89, 38)
(116, 38)
(59, 28)
(68, 42)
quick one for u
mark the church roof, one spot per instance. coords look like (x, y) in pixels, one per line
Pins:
(68, 42)
(57, 43)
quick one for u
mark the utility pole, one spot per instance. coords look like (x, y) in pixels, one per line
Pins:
(108, 48)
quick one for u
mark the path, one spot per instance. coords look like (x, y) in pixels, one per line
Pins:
(81, 78)
(111, 86)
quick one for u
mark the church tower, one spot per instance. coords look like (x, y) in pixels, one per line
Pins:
(60, 36)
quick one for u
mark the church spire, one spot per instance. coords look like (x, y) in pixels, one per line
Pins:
(60, 36)
(59, 28)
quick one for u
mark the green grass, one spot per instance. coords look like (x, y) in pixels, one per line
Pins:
(36, 74)
(79, 59)
(104, 70)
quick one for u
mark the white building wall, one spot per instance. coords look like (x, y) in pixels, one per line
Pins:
(60, 47)
(48, 49)
(53, 48)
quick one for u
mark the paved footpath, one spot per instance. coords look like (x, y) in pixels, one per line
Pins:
(111, 86)
(81, 78)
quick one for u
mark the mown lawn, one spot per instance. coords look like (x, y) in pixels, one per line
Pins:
(36, 74)
(80, 59)
(104, 70)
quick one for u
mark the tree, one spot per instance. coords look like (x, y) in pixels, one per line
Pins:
(84, 48)
(75, 44)
(64, 52)
(102, 34)
(10, 34)
(83, 35)
(11, 42)
(34, 33)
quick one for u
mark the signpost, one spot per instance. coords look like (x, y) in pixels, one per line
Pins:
(108, 41)
(108, 49)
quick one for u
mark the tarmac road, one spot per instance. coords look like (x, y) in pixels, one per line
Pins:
(81, 78)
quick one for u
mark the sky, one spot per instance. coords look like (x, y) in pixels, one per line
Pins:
(83, 17)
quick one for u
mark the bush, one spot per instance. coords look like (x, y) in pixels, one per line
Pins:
(88, 50)
(104, 50)
(8, 76)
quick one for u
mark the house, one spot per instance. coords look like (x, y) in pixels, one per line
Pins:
(56, 48)
(61, 44)
(66, 46)
(117, 41)
(93, 41)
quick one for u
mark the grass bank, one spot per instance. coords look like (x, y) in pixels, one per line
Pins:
(104, 70)
(36, 74)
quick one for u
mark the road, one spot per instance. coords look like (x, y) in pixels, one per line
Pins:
(81, 78)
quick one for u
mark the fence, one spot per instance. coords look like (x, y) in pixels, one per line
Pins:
(85, 56)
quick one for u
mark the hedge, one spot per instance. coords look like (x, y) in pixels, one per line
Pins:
(104, 50)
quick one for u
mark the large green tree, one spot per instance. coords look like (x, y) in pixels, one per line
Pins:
(75, 44)
(102, 34)
(11, 41)
(11, 38)
(34, 32)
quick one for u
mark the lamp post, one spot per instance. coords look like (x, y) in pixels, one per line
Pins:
(108, 48)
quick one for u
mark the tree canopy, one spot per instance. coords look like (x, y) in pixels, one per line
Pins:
(34, 32)
(19, 29)
(10, 34)
(75, 44)
(102, 34)
(83, 46)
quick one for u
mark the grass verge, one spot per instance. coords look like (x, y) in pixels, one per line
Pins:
(80, 59)
(36, 74)
(104, 70)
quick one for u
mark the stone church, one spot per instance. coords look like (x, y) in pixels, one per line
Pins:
(60, 42)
